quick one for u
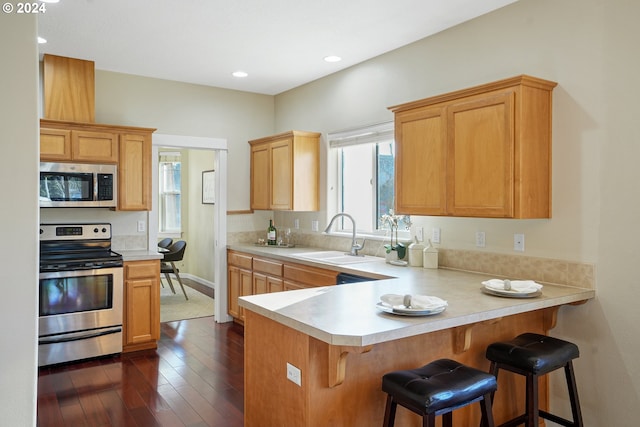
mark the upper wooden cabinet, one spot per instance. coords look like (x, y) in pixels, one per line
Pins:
(134, 172)
(478, 152)
(128, 147)
(78, 145)
(285, 172)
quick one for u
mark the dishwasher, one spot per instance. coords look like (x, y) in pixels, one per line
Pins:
(346, 278)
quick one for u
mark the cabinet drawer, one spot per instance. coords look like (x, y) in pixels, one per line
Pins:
(240, 260)
(272, 268)
(310, 275)
(138, 270)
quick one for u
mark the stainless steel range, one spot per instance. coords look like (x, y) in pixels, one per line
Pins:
(80, 293)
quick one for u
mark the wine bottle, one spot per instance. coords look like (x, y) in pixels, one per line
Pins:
(271, 233)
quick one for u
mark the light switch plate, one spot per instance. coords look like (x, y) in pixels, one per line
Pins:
(314, 225)
(293, 374)
(435, 235)
(142, 226)
(480, 239)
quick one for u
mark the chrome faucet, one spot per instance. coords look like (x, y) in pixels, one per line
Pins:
(355, 247)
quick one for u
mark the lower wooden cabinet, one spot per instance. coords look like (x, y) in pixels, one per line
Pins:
(252, 275)
(240, 284)
(141, 322)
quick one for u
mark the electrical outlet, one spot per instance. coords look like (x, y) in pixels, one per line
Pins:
(142, 226)
(296, 223)
(480, 239)
(293, 374)
(518, 242)
(420, 234)
(314, 225)
(435, 235)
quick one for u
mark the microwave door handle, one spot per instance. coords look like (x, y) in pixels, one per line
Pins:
(78, 337)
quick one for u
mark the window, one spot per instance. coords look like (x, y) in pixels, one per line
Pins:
(169, 186)
(365, 180)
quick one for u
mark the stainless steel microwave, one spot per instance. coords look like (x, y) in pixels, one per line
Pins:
(78, 185)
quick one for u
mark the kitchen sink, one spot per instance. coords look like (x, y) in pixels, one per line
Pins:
(334, 257)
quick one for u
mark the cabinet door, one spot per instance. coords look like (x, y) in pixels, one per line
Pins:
(281, 174)
(259, 283)
(274, 284)
(143, 311)
(55, 144)
(240, 283)
(94, 147)
(421, 162)
(141, 321)
(134, 172)
(233, 279)
(292, 286)
(260, 177)
(481, 157)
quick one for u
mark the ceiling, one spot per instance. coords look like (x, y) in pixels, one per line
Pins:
(279, 43)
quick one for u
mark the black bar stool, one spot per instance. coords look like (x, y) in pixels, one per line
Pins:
(534, 355)
(438, 388)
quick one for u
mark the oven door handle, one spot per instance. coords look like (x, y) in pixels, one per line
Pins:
(79, 336)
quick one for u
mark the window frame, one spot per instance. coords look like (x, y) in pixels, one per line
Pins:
(172, 232)
(372, 134)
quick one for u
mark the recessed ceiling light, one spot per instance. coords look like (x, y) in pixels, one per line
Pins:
(332, 58)
(239, 74)
(41, 40)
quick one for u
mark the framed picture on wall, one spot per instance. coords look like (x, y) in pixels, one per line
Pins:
(208, 187)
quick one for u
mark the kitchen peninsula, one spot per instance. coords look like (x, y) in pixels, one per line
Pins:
(342, 343)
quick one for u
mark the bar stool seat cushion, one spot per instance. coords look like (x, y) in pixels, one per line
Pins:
(438, 385)
(538, 354)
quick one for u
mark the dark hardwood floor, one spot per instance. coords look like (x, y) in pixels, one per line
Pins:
(194, 379)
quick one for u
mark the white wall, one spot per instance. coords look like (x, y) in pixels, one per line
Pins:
(591, 51)
(200, 232)
(186, 109)
(18, 218)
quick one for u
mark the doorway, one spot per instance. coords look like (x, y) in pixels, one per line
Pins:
(216, 253)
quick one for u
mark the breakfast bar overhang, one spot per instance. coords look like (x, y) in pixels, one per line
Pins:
(343, 344)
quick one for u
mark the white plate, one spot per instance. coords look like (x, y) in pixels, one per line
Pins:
(409, 311)
(510, 293)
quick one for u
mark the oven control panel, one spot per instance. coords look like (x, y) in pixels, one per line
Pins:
(75, 231)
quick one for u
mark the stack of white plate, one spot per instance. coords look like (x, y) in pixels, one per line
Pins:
(512, 288)
(411, 305)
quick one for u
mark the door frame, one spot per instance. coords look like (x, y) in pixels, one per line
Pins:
(219, 145)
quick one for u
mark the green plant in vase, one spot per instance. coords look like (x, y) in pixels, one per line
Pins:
(394, 222)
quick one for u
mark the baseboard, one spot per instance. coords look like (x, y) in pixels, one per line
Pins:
(199, 284)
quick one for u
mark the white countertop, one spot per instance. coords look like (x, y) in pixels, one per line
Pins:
(139, 255)
(347, 314)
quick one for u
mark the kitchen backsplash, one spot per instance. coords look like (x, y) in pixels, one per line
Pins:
(545, 270)
(131, 243)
